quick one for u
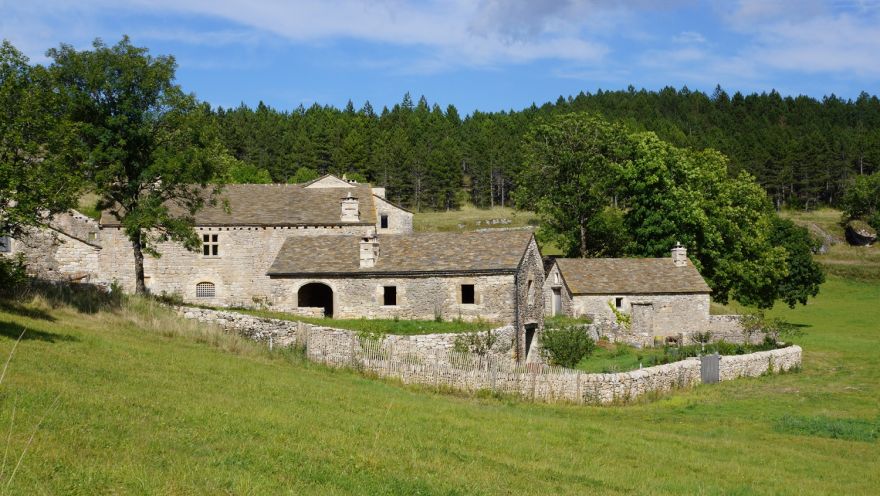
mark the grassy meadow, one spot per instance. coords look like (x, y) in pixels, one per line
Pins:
(131, 399)
(148, 404)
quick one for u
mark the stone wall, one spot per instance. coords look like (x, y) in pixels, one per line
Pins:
(552, 282)
(417, 297)
(331, 343)
(427, 360)
(238, 272)
(63, 253)
(530, 302)
(669, 314)
(399, 220)
(728, 328)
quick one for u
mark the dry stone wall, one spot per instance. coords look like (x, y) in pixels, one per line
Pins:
(428, 360)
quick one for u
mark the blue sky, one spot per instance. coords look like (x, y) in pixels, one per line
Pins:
(480, 54)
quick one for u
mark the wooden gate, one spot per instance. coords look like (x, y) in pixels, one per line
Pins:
(709, 369)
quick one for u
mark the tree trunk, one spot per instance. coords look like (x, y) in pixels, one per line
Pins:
(583, 238)
(139, 286)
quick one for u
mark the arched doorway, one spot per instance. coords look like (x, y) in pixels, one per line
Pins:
(316, 294)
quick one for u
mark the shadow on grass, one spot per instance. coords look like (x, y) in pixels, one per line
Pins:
(13, 331)
(85, 298)
(17, 308)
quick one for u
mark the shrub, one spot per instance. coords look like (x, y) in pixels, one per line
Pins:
(13, 277)
(566, 346)
(478, 343)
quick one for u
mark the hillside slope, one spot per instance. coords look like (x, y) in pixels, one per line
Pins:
(149, 405)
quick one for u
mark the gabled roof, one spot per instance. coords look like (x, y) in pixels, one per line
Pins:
(416, 253)
(279, 205)
(630, 276)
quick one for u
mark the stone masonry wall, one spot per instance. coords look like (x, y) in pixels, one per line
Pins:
(554, 281)
(399, 220)
(530, 301)
(54, 255)
(238, 273)
(417, 297)
(423, 360)
(672, 314)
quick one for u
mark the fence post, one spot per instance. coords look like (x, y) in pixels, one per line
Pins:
(533, 383)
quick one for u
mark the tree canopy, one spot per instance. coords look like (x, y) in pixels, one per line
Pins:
(638, 195)
(152, 150)
(39, 170)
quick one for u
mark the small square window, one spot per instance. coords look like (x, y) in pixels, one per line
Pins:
(618, 302)
(210, 245)
(5, 244)
(93, 236)
(389, 296)
(467, 294)
(383, 221)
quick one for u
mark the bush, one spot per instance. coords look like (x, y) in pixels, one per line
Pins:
(13, 277)
(478, 343)
(566, 346)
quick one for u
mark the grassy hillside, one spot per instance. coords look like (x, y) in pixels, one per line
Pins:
(148, 404)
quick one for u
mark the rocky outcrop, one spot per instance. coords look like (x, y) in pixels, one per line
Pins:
(859, 233)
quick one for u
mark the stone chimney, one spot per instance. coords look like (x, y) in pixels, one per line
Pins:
(350, 209)
(369, 251)
(679, 255)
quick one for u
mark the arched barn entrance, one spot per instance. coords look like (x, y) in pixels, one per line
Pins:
(316, 294)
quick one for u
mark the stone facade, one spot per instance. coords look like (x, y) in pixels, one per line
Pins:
(238, 272)
(659, 315)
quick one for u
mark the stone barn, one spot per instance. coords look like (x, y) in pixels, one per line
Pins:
(495, 276)
(663, 296)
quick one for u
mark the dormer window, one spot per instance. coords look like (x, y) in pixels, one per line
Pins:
(210, 245)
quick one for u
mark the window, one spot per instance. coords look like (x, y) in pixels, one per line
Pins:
(383, 221)
(467, 294)
(618, 302)
(530, 291)
(210, 246)
(205, 290)
(389, 297)
(5, 244)
(93, 236)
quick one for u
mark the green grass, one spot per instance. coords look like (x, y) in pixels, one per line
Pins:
(148, 404)
(382, 326)
(835, 428)
(88, 205)
(564, 320)
(471, 218)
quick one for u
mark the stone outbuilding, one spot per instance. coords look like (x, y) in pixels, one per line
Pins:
(494, 276)
(662, 296)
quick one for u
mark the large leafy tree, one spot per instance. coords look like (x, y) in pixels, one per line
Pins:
(39, 164)
(675, 194)
(570, 167)
(152, 149)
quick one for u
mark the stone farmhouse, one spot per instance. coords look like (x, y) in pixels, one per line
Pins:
(337, 248)
(325, 248)
(663, 296)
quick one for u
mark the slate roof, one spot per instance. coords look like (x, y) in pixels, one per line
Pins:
(630, 276)
(415, 253)
(279, 204)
